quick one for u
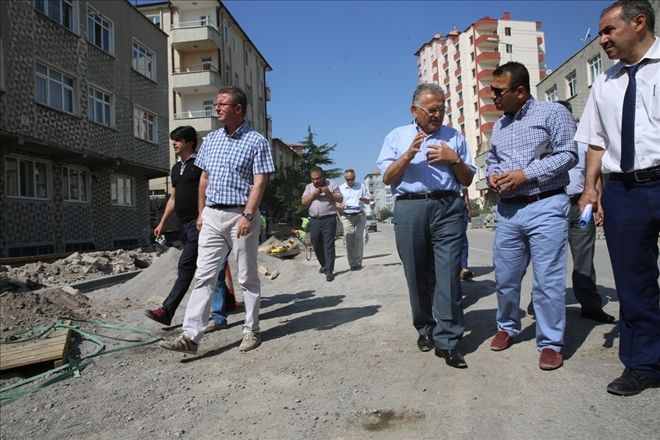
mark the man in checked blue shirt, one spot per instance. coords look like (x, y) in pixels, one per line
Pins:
(425, 163)
(531, 151)
(236, 161)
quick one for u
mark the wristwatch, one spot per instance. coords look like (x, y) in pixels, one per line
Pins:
(458, 160)
(248, 216)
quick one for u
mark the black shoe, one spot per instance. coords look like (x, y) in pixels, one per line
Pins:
(452, 357)
(631, 383)
(425, 342)
(329, 276)
(321, 270)
(597, 315)
(530, 309)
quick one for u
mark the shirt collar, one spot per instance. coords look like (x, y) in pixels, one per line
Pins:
(192, 156)
(522, 111)
(239, 131)
(652, 54)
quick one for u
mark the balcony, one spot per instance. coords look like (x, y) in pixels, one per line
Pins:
(487, 40)
(446, 81)
(457, 72)
(461, 119)
(485, 74)
(196, 35)
(445, 65)
(436, 78)
(491, 59)
(267, 94)
(203, 120)
(489, 109)
(484, 92)
(196, 79)
(486, 23)
(459, 87)
(459, 104)
(487, 127)
(457, 55)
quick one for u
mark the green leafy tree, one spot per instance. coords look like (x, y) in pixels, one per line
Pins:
(385, 213)
(317, 155)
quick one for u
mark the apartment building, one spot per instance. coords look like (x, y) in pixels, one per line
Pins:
(83, 125)
(572, 80)
(208, 50)
(379, 193)
(285, 156)
(462, 62)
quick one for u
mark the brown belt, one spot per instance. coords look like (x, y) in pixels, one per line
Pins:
(523, 200)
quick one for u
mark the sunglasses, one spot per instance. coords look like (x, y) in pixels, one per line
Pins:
(499, 91)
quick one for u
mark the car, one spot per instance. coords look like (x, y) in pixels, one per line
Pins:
(372, 224)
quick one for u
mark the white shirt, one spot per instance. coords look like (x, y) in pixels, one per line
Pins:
(600, 124)
(352, 196)
(576, 174)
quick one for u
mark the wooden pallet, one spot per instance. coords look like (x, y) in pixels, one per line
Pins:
(53, 348)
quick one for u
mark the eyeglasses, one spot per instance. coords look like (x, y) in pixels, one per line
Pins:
(350, 180)
(499, 91)
(432, 111)
(222, 104)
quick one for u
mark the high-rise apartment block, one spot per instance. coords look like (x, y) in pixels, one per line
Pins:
(463, 63)
(83, 125)
(208, 50)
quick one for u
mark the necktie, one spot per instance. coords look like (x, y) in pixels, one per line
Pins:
(628, 121)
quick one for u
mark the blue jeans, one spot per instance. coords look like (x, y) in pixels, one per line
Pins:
(536, 231)
(218, 313)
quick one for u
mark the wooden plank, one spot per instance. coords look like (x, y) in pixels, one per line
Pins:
(54, 347)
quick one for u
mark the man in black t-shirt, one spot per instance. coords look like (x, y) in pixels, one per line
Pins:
(183, 201)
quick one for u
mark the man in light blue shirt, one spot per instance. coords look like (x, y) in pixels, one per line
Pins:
(425, 163)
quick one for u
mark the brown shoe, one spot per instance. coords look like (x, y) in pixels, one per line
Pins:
(501, 341)
(550, 359)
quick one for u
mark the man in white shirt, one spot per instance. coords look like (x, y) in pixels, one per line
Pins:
(621, 124)
(353, 218)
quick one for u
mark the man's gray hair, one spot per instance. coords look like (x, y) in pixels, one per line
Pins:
(632, 8)
(426, 89)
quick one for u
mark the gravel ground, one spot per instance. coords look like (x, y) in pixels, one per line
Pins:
(338, 361)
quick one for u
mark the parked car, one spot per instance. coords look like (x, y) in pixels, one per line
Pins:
(372, 224)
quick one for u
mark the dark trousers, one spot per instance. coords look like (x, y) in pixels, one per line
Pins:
(582, 243)
(429, 238)
(464, 249)
(632, 227)
(186, 267)
(322, 232)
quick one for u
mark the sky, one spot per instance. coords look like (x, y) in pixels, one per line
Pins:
(348, 69)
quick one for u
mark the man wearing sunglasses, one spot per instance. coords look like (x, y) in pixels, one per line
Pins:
(531, 151)
(353, 218)
(425, 163)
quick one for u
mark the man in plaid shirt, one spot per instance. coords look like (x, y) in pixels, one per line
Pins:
(532, 150)
(236, 161)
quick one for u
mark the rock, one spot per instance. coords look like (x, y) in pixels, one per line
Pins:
(263, 270)
(274, 274)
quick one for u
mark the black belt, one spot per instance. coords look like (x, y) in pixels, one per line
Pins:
(431, 195)
(575, 198)
(523, 200)
(322, 216)
(353, 213)
(221, 206)
(640, 176)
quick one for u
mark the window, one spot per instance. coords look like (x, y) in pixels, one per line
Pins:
(474, 72)
(508, 48)
(99, 31)
(571, 82)
(121, 190)
(551, 94)
(100, 107)
(208, 108)
(60, 11)
(471, 56)
(26, 178)
(205, 20)
(471, 40)
(144, 124)
(154, 18)
(206, 63)
(54, 88)
(75, 184)
(507, 31)
(144, 60)
(247, 57)
(228, 74)
(595, 68)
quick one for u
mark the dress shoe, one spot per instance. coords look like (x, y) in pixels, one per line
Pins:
(597, 315)
(159, 315)
(452, 357)
(321, 270)
(501, 341)
(329, 276)
(425, 342)
(466, 274)
(631, 383)
(530, 309)
(550, 359)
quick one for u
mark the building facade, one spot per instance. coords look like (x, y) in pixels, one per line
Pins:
(379, 193)
(463, 63)
(83, 125)
(208, 50)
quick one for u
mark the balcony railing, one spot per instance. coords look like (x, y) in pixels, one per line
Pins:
(194, 23)
(191, 114)
(193, 69)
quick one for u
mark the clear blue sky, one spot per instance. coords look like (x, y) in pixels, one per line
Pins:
(348, 69)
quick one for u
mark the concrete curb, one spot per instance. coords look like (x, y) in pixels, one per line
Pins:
(110, 280)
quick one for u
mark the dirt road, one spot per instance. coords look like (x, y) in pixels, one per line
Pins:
(339, 361)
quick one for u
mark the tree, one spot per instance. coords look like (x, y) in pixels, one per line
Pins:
(282, 197)
(385, 213)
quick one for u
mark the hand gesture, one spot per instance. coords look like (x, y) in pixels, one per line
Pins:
(441, 153)
(416, 145)
(507, 182)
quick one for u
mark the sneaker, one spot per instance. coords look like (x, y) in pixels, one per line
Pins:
(181, 343)
(159, 315)
(251, 340)
(215, 326)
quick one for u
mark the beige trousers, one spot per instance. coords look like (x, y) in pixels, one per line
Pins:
(354, 237)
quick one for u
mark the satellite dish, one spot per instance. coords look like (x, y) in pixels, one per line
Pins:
(586, 35)
(548, 71)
